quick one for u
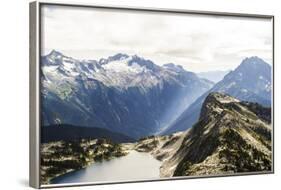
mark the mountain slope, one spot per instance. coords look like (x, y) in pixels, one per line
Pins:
(230, 136)
(250, 81)
(126, 94)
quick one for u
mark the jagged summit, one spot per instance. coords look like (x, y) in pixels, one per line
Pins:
(221, 97)
(119, 56)
(174, 67)
(254, 64)
(116, 57)
(253, 60)
(55, 54)
(56, 58)
(102, 93)
(214, 103)
(53, 58)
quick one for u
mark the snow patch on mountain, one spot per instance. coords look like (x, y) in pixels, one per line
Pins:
(121, 92)
(122, 66)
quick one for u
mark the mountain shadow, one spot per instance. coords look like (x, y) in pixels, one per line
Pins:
(65, 132)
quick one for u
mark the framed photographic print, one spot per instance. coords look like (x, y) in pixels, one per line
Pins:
(127, 94)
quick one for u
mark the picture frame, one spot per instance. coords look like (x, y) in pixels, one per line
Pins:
(263, 135)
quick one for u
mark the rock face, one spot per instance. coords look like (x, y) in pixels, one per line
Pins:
(124, 94)
(250, 81)
(161, 147)
(230, 136)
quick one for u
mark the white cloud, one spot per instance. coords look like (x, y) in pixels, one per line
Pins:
(199, 43)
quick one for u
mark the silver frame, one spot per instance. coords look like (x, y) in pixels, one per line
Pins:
(34, 82)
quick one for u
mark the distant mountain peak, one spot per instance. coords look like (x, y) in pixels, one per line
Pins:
(253, 62)
(252, 59)
(250, 71)
(144, 63)
(121, 62)
(174, 67)
(54, 58)
(119, 56)
(135, 56)
(55, 53)
(116, 57)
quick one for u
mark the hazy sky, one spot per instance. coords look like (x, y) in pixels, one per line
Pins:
(198, 43)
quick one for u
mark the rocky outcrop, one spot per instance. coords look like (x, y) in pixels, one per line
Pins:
(230, 136)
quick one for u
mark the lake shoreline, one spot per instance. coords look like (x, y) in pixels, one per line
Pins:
(116, 169)
(83, 167)
(97, 151)
(60, 158)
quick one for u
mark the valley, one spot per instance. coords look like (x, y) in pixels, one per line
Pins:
(230, 137)
(103, 120)
(124, 94)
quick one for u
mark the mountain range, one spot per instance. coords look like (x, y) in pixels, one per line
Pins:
(125, 94)
(192, 125)
(250, 81)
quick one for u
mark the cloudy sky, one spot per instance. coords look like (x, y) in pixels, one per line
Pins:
(198, 43)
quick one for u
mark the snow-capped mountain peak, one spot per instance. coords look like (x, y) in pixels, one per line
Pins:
(55, 53)
(120, 70)
(116, 86)
(55, 58)
(116, 57)
(122, 65)
(128, 63)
